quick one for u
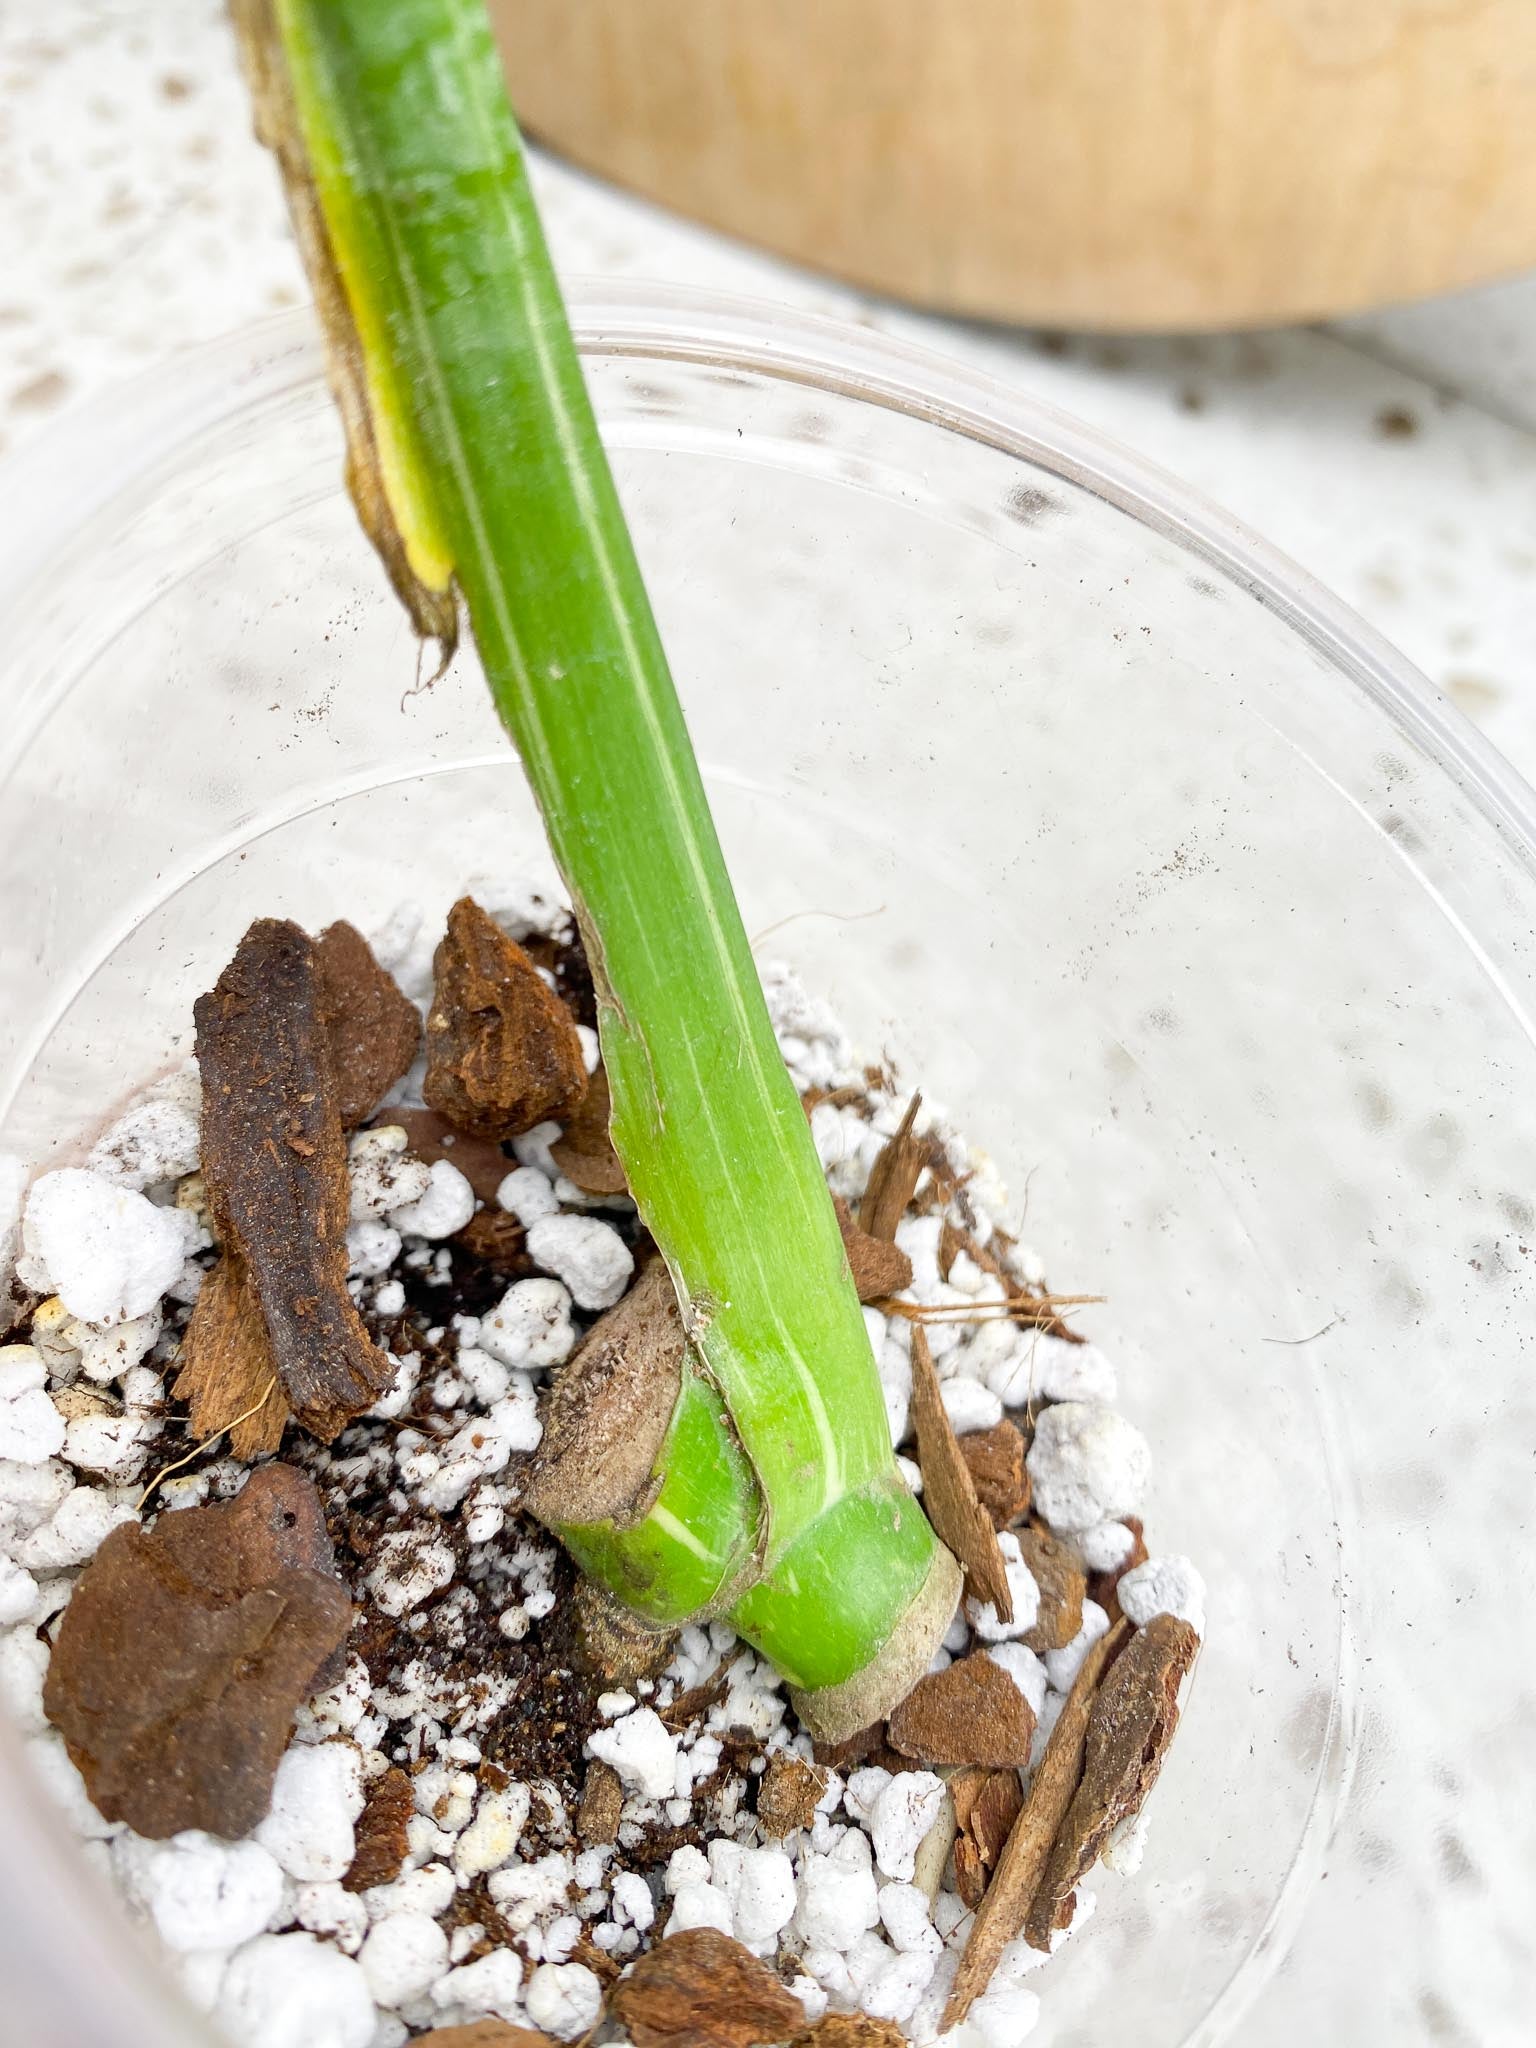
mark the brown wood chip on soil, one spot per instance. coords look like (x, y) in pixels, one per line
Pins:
(485, 2034)
(850, 2030)
(1005, 1907)
(788, 1794)
(894, 1176)
(225, 1365)
(1131, 1724)
(987, 1804)
(497, 1237)
(430, 1136)
(995, 1460)
(1105, 1586)
(584, 1151)
(879, 1268)
(865, 1746)
(502, 1050)
(949, 1496)
(382, 1845)
(373, 1029)
(186, 1651)
(701, 1989)
(1058, 1574)
(602, 1802)
(969, 1713)
(275, 1164)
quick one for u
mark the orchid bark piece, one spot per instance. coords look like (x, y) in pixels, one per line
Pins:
(1005, 1904)
(476, 465)
(275, 1162)
(186, 1651)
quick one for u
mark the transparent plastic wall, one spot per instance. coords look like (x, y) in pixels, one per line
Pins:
(1195, 907)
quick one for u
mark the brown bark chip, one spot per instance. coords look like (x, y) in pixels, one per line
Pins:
(186, 1651)
(1129, 1729)
(995, 1459)
(274, 1523)
(431, 1137)
(987, 1804)
(275, 1163)
(893, 1178)
(969, 1713)
(1003, 1910)
(485, 2034)
(788, 1794)
(373, 1029)
(865, 1746)
(498, 1238)
(225, 1366)
(602, 1803)
(502, 1050)
(382, 1846)
(1056, 1571)
(878, 1267)
(849, 2030)
(701, 1989)
(584, 1151)
(949, 1496)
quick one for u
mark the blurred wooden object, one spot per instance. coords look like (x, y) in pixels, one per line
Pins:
(1085, 163)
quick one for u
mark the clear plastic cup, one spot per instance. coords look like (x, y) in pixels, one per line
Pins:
(1196, 906)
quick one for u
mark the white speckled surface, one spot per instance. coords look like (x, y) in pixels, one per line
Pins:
(136, 215)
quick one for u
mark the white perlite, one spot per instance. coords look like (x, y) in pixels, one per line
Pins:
(642, 1750)
(904, 1812)
(838, 1897)
(1105, 1545)
(206, 1894)
(984, 1617)
(1163, 1585)
(292, 1991)
(444, 1206)
(384, 1176)
(316, 1799)
(564, 1999)
(493, 1986)
(403, 1958)
(157, 1139)
(108, 1252)
(492, 1837)
(408, 1569)
(1087, 1465)
(590, 1257)
(530, 1326)
(31, 1428)
(527, 1195)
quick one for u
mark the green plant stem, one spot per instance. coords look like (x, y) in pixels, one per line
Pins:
(482, 469)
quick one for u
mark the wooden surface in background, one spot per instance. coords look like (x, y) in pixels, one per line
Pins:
(1085, 163)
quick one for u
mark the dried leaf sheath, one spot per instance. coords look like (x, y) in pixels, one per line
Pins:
(485, 472)
(394, 511)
